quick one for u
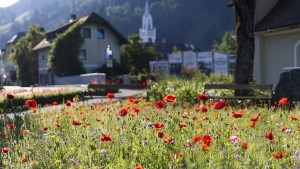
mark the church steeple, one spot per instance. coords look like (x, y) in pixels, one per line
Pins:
(147, 32)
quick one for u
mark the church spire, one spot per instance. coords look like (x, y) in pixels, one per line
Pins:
(147, 32)
(147, 11)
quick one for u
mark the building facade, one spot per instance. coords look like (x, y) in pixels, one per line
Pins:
(277, 39)
(9, 68)
(98, 34)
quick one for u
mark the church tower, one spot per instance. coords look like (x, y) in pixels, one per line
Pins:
(147, 32)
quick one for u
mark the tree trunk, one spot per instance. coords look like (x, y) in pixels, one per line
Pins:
(244, 15)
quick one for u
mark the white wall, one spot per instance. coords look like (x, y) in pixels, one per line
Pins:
(273, 52)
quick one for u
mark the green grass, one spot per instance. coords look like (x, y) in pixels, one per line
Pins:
(135, 141)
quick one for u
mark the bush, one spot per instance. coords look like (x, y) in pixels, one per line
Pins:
(185, 89)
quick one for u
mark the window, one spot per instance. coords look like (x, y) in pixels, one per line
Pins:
(86, 33)
(44, 60)
(100, 34)
(82, 54)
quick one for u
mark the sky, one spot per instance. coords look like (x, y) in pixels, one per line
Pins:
(6, 3)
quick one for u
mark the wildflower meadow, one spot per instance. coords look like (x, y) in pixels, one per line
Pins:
(136, 133)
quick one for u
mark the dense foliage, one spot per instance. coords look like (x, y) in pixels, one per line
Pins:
(228, 44)
(25, 59)
(191, 21)
(64, 54)
(187, 88)
(136, 56)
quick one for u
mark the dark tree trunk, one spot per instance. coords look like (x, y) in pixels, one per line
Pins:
(244, 14)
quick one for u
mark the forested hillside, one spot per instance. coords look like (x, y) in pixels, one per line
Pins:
(199, 22)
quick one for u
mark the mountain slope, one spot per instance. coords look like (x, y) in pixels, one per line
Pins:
(190, 21)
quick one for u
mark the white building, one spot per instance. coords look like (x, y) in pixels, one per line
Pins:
(98, 34)
(147, 32)
(277, 38)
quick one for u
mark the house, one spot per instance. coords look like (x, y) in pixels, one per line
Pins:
(98, 35)
(277, 39)
(9, 68)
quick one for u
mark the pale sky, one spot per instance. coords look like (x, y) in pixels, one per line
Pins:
(5, 3)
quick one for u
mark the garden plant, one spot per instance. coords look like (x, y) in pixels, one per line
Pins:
(166, 132)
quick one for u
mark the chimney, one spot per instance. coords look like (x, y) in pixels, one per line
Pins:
(42, 29)
(73, 17)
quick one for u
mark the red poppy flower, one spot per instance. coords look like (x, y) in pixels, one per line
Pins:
(24, 160)
(139, 167)
(158, 125)
(24, 132)
(168, 140)
(54, 103)
(283, 102)
(68, 103)
(269, 135)
(159, 104)
(10, 127)
(182, 125)
(293, 118)
(202, 97)
(76, 123)
(252, 124)
(205, 118)
(123, 112)
(255, 118)
(204, 109)
(5, 150)
(170, 99)
(136, 110)
(284, 128)
(206, 140)
(205, 147)
(144, 83)
(237, 115)
(31, 104)
(45, 128)
(135, 101)
(279, 156)
(58, 125)
(106, 138)
(160, 135)
(130, 98)
(245, 145)
(110, 95)
(10, 96)
(219, 105)
(197, 139)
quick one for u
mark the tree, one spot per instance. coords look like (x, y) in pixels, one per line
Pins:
(24, 58)
(65, 49)
(244, 15)
(228, 44)
(136, 56)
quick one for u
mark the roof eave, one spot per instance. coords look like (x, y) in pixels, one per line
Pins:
(276, 29)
